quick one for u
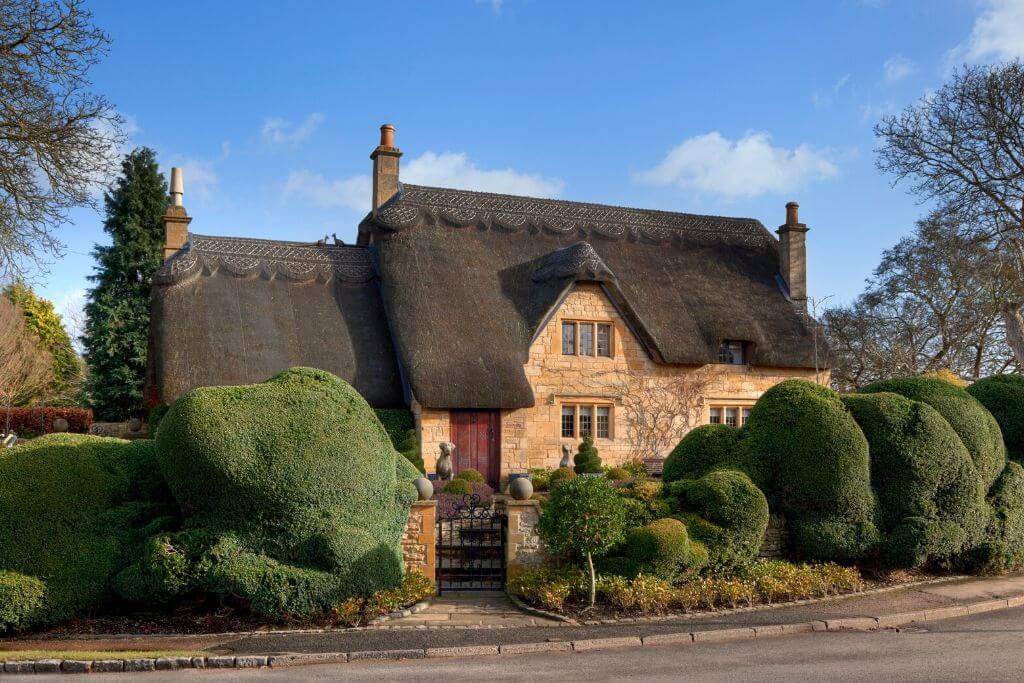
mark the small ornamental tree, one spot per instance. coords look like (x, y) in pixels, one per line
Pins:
(586, 460)
(585, 517)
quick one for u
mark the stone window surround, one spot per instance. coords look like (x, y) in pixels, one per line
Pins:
(594, 404)
(595, 335)
(739, 404)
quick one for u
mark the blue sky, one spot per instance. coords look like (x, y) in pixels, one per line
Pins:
(730, 108)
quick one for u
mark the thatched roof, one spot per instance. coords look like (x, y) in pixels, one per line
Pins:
(236, 311)
(468, 278)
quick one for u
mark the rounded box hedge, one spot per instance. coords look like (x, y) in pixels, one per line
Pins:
(1003, 396)
(300, 494)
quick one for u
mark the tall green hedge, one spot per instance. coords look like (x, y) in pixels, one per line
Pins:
(930, 502)
(73, 508)
(803, 445)
(1003, 396)
(724, 511)
(299, 492)
(400, 424)
(701, 450)
(975, 426)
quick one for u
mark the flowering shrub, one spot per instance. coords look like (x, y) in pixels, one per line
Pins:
(31, 422)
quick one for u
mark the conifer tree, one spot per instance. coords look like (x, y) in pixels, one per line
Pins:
(117, 312)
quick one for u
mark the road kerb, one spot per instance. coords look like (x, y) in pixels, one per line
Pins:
(590, 644)
(282, 661)
(987, 606)
(668, 639)
(852, 624)
(723, 634)
(461, 651)
(386, 654)
(525, 648)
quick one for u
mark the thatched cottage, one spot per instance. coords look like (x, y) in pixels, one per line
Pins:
(510, 326)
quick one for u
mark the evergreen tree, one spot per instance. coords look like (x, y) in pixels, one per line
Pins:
(117, 312)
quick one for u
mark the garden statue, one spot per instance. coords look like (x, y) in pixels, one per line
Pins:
(566, 456)
(444, 463)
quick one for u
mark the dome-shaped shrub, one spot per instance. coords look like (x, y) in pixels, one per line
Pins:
(920, 471)
(1006, 529)
(975, 426)
(458, 487)
(560, 475)
(69, 508)
(814, 459)
(617, 474)
(664, 548)
(724, 511)
(701, 450)
(297, 482)
(471, 475)
(1003, 396)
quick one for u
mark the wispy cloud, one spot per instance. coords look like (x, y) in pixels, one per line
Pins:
(749, 166)
(277, 131)
(873, 112)
(823, 98)
(895, 69)
(997, 34)
(494, 4)
(448, 169)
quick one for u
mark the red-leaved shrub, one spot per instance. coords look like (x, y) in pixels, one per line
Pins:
(28, 422)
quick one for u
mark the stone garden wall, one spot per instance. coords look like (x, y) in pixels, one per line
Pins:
(418, 541)
(523, 548)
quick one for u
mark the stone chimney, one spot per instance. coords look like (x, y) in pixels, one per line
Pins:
(793, 254)
(385, 167)
(176, 219)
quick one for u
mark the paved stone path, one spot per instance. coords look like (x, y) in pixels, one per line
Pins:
(484, 609)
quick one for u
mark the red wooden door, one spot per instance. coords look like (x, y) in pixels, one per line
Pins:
(477, 438)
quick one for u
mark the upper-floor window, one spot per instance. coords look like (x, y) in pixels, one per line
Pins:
(732, 352)
(580, 338)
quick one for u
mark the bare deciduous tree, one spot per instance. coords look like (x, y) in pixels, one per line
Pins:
(25, 369)
(58, 140)
(660, 409)
(963, 147)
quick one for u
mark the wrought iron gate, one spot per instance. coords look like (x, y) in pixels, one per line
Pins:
(470, 546)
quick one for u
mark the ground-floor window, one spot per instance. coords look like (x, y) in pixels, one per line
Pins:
(734, 416)
(586, 419)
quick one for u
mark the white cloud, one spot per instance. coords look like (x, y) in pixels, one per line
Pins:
(823, 98)
(746, 167)
(281, 132)
(448, 169)
(201, 179)
(352, 193)
(998, 34)
(897, 68)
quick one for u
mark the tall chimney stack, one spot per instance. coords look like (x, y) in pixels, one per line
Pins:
(385, 167)
(176, 219)
(793, 254)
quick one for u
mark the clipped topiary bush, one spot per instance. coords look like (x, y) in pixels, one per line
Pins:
(617, 474)
(72, 511)
(803, 445)
(724, 511)
(701, 450)
(1003, 548)
(975, 426)
(458, 487)
(21, 598)
(663, 548)
(930, 503)
(560, 475)
(1003, 396)
(471, 475)
(586, 460)
(297, 487)
(400, 424)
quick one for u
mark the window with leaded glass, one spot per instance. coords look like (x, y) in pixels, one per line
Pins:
(586, 339)
(604, 340)
(715, 416)
(604, 422)
(568, 422)
(744, 416)
(730, 416)
(586, 421)
(569, 339)
(731, 353)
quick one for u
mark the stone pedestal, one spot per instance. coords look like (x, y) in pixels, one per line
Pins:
(523, 548)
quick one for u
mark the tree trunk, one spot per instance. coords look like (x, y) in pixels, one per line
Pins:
(1014, 322)
(593, 580)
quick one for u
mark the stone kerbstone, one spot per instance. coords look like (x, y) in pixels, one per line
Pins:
(220, 662)
(165, 664)
(199, 662)
(47, 665)
(75, 666)
(250, 662)
(522, 648)
(668, 639)
(108, 665)
(852, 624)
(140, 665)
(605, 643)
(464, 651)
(723, 634)
(282, 661)
(386, 654)
(19, 667)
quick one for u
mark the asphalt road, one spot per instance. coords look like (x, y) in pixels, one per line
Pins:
(985, 647)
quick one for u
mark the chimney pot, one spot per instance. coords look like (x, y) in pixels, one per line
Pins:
(385, 168)
(387, 135)
(177, 187)
(792, 213)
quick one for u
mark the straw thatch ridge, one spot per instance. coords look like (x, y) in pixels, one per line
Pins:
(468, 277)
(237, 311)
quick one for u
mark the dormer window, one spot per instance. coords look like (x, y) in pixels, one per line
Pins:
(581, 338)
(732, 352)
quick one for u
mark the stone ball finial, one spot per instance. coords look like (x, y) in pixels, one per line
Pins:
(61, 425)
(424, 488)
(521, 488)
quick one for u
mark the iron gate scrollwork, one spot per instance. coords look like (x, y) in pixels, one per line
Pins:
(470, 545)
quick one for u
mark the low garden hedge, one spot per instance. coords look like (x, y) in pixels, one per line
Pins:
(701, 450)
(74, 508)
(726, 512)
(975, 426)
(804, 449)
(297, 488)
(930, 502)
(1003, 396)
(32, 422)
